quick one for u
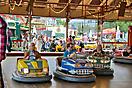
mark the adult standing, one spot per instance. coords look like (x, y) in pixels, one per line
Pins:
(69, 40)
(85, 38)
(52, 46)
(39, 43)
(25, 41)
(3, 39)
(9, 42)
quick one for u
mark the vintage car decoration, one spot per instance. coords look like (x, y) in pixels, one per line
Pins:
(78, 70)
(101, 65)
(31, 71)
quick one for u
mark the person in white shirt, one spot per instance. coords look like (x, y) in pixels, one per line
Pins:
(39, 43)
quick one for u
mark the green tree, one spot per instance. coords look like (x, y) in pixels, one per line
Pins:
(60, 22)
(83, 28)
(123, 25)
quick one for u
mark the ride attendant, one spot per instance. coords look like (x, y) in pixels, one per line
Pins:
(32, 54)
(70, 52)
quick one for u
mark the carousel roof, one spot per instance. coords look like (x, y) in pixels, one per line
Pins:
(88, 9)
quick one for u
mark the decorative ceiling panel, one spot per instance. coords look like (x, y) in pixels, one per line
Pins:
(89, 9)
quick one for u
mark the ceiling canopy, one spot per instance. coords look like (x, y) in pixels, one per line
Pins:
(87, 9)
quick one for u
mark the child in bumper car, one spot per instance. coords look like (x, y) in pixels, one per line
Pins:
(32, 54)
(70, 52)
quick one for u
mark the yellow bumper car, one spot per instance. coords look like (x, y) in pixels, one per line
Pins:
(31, 71)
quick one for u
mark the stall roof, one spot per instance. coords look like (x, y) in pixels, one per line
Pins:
(87, 9)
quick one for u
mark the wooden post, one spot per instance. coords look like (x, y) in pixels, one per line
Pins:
(98, 29)
(101, 23)
(30, 25)
(67, 20)
(29, 9)
(130, 36)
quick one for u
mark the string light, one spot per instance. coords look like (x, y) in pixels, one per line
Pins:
(62, 9)
(15, 4)
(20, 3)
(101, 1)
(12, 7)
(98, 16)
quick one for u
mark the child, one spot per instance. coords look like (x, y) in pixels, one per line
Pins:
(32, 54)
(70, 52)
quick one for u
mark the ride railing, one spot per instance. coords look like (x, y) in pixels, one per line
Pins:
(17, 45)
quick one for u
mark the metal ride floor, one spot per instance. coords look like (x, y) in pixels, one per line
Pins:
(122, 77)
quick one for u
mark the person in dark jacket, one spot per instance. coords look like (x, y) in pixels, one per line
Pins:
(53, 46)
(9, 42)
(3, 40)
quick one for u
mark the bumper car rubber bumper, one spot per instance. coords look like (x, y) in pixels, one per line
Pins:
(74, 78)
(104, 72)
(17, 77)
(123, 60)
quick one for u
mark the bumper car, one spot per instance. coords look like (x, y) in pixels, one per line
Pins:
(29, 71)
(90, 45)
(78, 70)
(122, 59)
(101, 65)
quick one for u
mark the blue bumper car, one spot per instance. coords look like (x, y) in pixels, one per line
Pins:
(78, 70)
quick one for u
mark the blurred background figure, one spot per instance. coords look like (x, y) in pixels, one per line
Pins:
(85, 38)
(39, 43)
(9, 42)
(69, 40)
(53, 46)
(25, 41)
(127, 51)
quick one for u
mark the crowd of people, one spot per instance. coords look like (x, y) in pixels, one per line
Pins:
(45, 44)
(53, 44)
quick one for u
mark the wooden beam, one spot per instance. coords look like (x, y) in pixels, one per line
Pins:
(128, 2)
(30, 5)
(108, 2)
(87, 2)
(52, 1)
